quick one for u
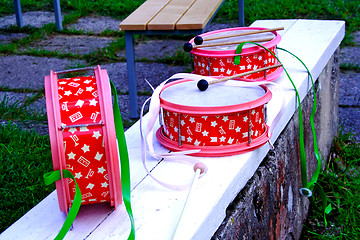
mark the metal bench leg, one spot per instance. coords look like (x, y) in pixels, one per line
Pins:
(130, 63)
(241, 13)
(18, 14)
(57, 10)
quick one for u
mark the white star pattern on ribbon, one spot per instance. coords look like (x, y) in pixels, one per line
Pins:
(245, 119)
(67, 93)
(78, 175)
(71, 155)
(225, 118)
(101, 170)
(189, 139)
(222, 139)
(96, 134)
(104, 184)
(89, 89)
(213, 124)
(237, 129)
(192, 120)
(205, 133)
(86, 148)
(93, 102)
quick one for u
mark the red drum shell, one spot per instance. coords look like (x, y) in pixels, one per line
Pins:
(210, 61)
(215, 130)
(82, 136)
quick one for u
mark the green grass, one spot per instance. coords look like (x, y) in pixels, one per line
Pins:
(24, 158)
(21, 110)
(341, 183)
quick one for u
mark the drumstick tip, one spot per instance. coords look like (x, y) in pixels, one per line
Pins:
(202, 85)
(188, 47)
(198, 40)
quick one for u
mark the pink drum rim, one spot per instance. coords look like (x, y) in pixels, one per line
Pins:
(231, 53)
(109, 137)
(213, 110)
(56, 139)
(213, 151)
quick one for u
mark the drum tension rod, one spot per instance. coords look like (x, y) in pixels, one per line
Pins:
(179, 130)
(82, 125)
(249, 133)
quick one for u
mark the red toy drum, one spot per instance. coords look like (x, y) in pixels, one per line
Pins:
(82, 136)
(218, 60)
(223, 120)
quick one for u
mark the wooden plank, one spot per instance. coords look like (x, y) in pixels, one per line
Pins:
(199, 14)
(139, 19)
(170, 15)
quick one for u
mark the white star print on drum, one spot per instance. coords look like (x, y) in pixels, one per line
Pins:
(84, 149)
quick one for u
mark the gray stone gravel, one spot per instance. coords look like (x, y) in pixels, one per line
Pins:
(21, 71)
(35, 19)
(72, 44)
(96, 24)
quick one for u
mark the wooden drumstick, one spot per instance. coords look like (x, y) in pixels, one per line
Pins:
(198, 40)
(188, 46)
(204, 84)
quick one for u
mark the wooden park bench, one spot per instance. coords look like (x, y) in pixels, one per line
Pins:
(156, 209)
(170, 17)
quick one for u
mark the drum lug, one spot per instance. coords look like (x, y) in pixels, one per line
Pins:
(179, 131)
(63, 127)
(265, 113)
(249, 133)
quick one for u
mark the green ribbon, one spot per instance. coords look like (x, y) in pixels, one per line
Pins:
(124, 160)
(50, 178)
(308, 187)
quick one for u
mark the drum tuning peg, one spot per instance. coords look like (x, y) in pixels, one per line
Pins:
(198, 40)
(188, 47)
(202, 85)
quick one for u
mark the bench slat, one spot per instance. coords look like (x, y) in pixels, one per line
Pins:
(198, 15)
(170, 15)
(139, 19)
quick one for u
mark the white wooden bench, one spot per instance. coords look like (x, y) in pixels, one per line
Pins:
(156, 209)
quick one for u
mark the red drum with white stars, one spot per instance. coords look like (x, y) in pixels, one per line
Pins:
(219, 60)
(82, 137)
(223, 120)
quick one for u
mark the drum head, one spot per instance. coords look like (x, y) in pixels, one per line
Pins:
(226, 97)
